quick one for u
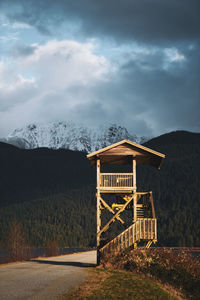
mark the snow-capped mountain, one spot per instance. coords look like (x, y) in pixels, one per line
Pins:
(68, 135)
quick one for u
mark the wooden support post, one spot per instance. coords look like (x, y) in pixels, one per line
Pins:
(134, 191)
(152, 204)
(156, 229)
(134, 175)
(98, 212)
(134, 208)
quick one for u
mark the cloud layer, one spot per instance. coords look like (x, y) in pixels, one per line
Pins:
(136, 63)
(142, 20)
(52, 80)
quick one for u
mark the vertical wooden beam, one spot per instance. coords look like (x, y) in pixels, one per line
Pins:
(134, 175)
(134, 191)
(134, 208)
(156, 230)
(98, 212)
(98, 198)
(98, 174)
(152, 204)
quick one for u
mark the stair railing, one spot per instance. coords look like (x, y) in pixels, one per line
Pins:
(141, 230)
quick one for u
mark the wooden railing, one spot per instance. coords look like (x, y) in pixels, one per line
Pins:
(142, 229)
(113, 180)
(145, 206)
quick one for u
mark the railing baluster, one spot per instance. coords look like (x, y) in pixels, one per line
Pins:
(116, 180)
(150, 229)
(143, 229)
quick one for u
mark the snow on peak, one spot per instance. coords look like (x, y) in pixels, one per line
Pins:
(68, 135)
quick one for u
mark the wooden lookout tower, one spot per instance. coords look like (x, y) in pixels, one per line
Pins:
(123, 186)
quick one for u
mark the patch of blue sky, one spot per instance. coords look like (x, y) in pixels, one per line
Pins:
(20, 31)
(28, 76)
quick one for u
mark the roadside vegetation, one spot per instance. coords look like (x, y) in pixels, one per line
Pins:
(155, 273)
(105, 284)
(17, 249)
(179, 269)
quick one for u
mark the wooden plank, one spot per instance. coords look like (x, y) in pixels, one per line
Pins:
(129, 237)
(116, 189)
(122, 150)
(134, 208)
(110, 209)
(133, 233)
(115, 159)
(134, 175)
(98, 204)
(152, 204)
(98, 173)
(142, 193)
(116, 215)
(155, 229)
(118, 174)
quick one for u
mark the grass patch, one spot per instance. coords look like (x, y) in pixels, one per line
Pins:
(113, 284)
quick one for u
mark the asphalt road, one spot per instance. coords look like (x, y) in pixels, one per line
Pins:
(44, 278)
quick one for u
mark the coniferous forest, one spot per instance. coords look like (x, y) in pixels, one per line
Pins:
(51, 193)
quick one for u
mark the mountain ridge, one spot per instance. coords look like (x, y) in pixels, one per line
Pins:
(68, 135)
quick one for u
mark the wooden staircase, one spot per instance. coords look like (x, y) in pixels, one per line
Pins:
(144, 229)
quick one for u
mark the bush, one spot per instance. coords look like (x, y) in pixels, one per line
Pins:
(16, 246)
(178, 268)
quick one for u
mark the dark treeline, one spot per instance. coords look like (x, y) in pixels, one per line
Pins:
(176, 188)
(31, 174)
(68, 218)
(51, 193)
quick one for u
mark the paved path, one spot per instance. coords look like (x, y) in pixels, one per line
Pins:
(44, 278)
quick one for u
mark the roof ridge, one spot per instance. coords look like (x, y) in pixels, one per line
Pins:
(129, 142)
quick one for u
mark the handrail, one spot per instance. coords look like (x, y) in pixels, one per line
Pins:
(109, 180)
(142, 229)
(116, 173)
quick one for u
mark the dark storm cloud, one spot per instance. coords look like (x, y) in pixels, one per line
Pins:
(149, 21)
(161, 99)
(148, 101)
(155, 87)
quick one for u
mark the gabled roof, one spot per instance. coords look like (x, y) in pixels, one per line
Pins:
(123, 153)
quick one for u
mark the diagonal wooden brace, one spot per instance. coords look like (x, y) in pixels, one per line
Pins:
(111, 210)
(115, 216)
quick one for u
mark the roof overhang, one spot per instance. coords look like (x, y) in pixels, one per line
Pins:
(123, 152)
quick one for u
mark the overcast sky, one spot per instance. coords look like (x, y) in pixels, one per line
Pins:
(131, 62)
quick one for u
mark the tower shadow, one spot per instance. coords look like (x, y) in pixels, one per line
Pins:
(64, 263)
